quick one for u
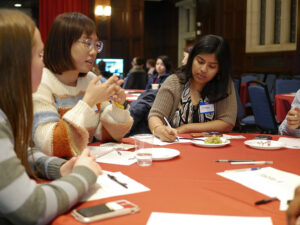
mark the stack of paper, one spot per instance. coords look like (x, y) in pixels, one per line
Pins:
(268, 181)
(157, 218)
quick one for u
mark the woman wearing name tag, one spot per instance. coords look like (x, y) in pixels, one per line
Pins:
(198, 97)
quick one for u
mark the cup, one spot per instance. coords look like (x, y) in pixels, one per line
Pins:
(155, 86)
(143, 149)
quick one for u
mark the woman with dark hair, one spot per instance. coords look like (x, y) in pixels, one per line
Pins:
(71, 105)
(200, 96)
(163, 69)
(22, 200)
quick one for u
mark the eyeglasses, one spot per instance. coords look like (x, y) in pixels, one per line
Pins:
(91, 45)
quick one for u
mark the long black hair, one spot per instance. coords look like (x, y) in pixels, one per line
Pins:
(216, 89)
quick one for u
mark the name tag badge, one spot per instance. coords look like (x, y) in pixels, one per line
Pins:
(206, 107)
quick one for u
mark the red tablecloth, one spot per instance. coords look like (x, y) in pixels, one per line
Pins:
(189, 184)
(282, 105)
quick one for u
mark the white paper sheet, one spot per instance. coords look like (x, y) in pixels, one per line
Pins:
(268, 181)
(118, 157)
(106, 187)
(291, 94)
(157, 218)
(227, 136)
(290, 142)
(157, 141)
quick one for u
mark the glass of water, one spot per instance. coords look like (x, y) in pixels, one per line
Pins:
(143, 149)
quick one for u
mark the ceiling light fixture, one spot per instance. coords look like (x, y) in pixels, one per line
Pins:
(101, 10)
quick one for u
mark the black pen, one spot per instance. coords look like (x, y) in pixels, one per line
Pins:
(115, 180)
(264, 201)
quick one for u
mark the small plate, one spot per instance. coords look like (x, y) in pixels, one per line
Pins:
(164, 153)
(201, 143)
(264, 144)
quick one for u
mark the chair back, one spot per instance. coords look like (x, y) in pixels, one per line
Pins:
(248, 77)
(262, 107)
(270, 82)
(287, 86)
(261, 77)
(240, 108)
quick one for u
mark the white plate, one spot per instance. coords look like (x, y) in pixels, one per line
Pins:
(164, 153)
(264, 144)
(203, 144)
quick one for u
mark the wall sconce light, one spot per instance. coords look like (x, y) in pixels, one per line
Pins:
(101, 10)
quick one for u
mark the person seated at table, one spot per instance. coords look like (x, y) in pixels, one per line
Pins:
(69, 103)
(22, 200)
(186, 52)
(198, 97)
(163, 69)
(102, 71)
(291, 124)
(137, 76)
(293, 212)
(150, 67)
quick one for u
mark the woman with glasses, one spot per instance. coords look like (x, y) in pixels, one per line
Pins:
(71, 105)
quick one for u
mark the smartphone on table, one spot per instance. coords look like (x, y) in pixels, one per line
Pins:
(105, 211)
(262, 137)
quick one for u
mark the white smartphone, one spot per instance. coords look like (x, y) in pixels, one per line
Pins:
(104, 211)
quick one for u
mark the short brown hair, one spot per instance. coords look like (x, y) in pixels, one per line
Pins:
(66, 29)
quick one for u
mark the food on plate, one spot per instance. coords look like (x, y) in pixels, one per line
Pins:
(213, 140)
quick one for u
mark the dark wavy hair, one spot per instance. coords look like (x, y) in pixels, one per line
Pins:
(216, 89)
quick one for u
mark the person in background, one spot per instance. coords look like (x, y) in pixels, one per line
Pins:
(22, 200)
(163, 69)
(103, 72)
(150, 67)
(137, 76)
(293, 212)
(69, 105)
(200, 96)
(96, 71)
(186, 52)
(291, 124)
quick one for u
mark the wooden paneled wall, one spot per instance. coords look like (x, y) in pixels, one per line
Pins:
(228, 19)
(123, 32)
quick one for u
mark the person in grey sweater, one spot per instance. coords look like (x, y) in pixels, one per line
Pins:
(200, 96)
(22, 200)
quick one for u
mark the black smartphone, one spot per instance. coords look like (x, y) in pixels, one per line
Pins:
(262, 137)
(104, 211)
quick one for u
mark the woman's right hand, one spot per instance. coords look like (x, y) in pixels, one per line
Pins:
(97, 93)
(165, 133)
(88, 160)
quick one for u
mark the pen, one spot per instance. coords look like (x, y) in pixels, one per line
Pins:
(264, 201)
(115, 180)
(119, 153)
(167, 122)
(252, 162)
(234, 160)
(241, 170)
